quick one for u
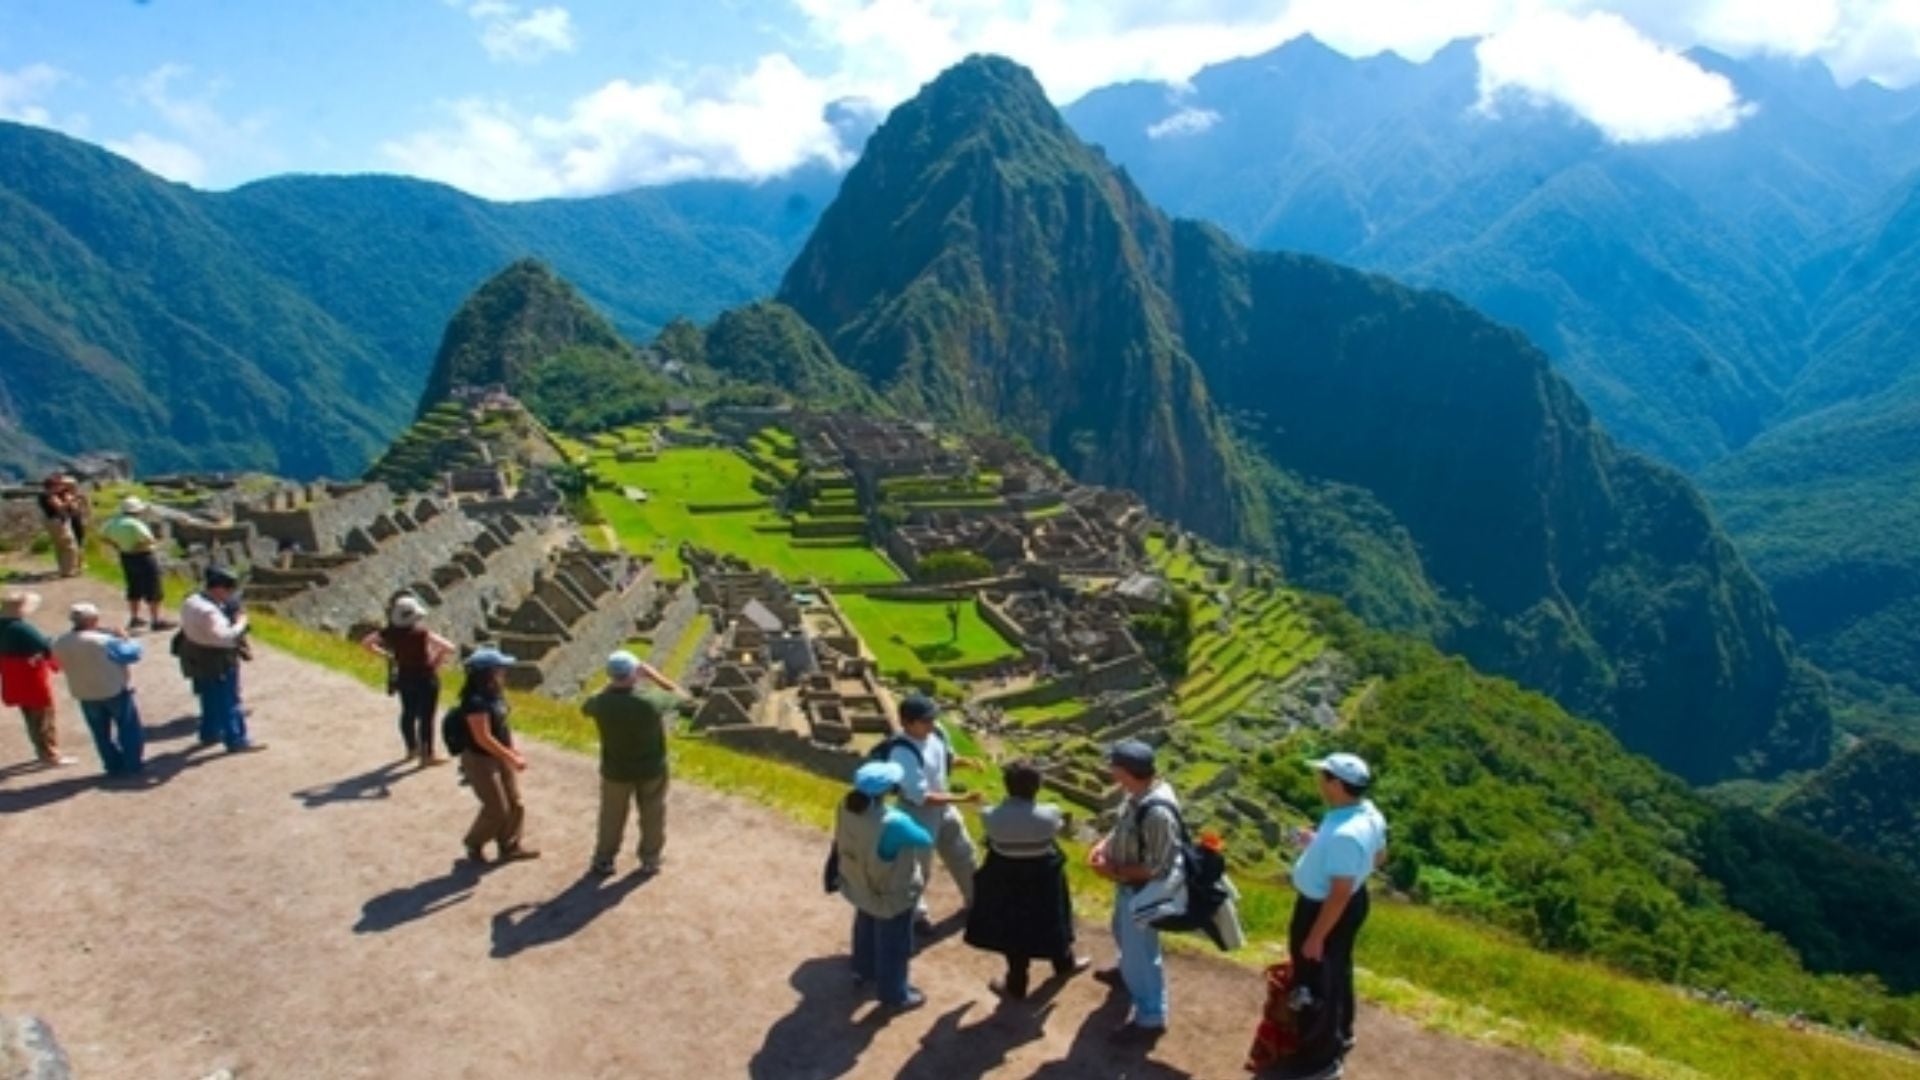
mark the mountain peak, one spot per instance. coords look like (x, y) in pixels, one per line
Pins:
(519, 317)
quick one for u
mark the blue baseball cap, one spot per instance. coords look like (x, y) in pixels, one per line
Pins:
(878, 777)
(622, 666)
(918, 707)
(488, 658)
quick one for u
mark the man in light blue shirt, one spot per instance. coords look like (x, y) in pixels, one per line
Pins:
(1331, 879)
(926, 761)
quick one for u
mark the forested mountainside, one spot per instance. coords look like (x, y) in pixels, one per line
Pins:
(983, 264)
(1868, 799)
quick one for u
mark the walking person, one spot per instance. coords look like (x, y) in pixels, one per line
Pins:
(210, 645)
(478, 731)
(134, 539)
(874, 849)
(1141, 852)
(414, 657)
(97, 663)
(926, 761)
(633, 758)
(26, 674)
(1021, 904)
(1330, 878)
(58, 508)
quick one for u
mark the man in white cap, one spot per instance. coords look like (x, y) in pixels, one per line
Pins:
(633, 757)
(133, 538)
(1331, 879)
(96, 663)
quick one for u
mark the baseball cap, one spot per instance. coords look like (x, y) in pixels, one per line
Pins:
(83, 612)
(408, 610)
(878, 777)
(1349, 768)
(918, 707)
(133, 504)
(1132, 755)
(220, 575)
(485, 659)
(622, 666)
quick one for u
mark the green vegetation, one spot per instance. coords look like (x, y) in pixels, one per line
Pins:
(1040, 714)
(914, 640)
(948, 566)
(708, 497)
(767, 344)
(1868, 800)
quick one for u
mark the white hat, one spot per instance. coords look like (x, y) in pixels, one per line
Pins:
(622, 666)
(83, 612)
(18, 602)
(133, 504)
(408, 610)
(1348, 768)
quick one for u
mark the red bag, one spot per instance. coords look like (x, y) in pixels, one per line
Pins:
(1277, 1037)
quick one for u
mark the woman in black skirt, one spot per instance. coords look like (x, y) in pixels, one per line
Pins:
(1021, 906)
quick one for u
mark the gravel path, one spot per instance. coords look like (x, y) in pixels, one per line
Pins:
(299, 913)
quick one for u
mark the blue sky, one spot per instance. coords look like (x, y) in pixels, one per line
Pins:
(519, 99)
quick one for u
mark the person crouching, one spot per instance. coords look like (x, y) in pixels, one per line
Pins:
(878, 872)
(1021, 905)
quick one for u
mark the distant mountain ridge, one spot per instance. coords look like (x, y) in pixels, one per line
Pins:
(981, 262)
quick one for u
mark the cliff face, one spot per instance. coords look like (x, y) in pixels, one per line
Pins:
(519, 318)
(983, 264)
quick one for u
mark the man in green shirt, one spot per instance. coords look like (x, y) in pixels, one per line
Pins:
(633, 757)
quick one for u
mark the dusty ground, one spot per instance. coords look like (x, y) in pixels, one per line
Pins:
(299, 913)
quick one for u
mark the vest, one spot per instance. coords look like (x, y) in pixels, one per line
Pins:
(881, 889)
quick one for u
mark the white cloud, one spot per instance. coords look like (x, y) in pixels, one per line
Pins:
(22, 93)
(173, 160)
(1599, 66)
(749, 126)
(509, 32)
(1188, 121)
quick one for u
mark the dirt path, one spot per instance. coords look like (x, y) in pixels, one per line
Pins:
(298, 913)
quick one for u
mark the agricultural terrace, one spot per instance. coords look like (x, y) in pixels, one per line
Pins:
(715, 498)
(914, 641)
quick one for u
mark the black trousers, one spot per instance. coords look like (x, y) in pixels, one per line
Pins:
(1017, 971)
(419, 700)
(1328, 1035)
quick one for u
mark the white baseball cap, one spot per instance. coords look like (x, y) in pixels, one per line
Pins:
(1348, 768)
(407, 610)
(83, 612)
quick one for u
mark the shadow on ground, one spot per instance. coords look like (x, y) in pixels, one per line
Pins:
(528, 926)
(370, 785)
(397, 907)
(21, 795)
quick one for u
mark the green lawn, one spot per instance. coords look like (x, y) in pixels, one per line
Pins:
(1037, 714)
(682, 478)
(912, 637)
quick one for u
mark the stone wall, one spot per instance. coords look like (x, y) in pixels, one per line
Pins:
(834, 763)
(610, 594)
(319, 518)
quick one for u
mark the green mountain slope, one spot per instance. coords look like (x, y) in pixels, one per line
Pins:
(769, 344)
(519, 319)
(1868, 799)
(984, 264)
(289, 325)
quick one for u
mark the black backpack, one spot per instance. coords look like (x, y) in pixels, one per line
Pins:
(1203, 869)
(883, 750)
(453, 730)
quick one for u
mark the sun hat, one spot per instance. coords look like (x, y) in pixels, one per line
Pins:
(218, 576)
(1349, 769)
(918, 707)
(488, 658)
(878, 777)
(83, 613)
(622, 666)
(133, 504)
(18, 602)
(1132, 755)
(407, 610)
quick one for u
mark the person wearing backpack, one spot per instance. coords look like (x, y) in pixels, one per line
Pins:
(1022, 908)
(210, 644)
(477, 730)
(927, 761)
(1141, 853)
(414, 655)
(1330, 878)
(875, 868)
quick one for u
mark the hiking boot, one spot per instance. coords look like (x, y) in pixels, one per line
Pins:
(601, 869)
(477, 856)
(247, 748)
(518, 853)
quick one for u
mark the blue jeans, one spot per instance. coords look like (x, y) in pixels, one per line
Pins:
(881, 949)
(115, 724)
(1139, 962)
(221, 720)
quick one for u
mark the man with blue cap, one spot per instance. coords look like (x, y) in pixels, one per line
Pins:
(1330, 878)
(478, 731)
(633, 757)
(876, 870)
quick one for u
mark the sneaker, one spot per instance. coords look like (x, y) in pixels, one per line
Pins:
(247, 748)
(1079, 965)
(56, 761)
(649, 869)
(601, 869)
(912, 1001)
(518, 854)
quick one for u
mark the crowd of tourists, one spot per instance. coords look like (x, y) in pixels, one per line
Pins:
(903, 807)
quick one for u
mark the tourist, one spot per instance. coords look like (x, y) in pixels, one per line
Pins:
(477, 730)
(875, 847)
(96, 663)
(26, 674)
(926, 761)
(1330, 878)
(211, 642)
(59, 507)
(1142, 849)
(633, 757)
(414, 656)
(1021, 905)
(139, 562)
